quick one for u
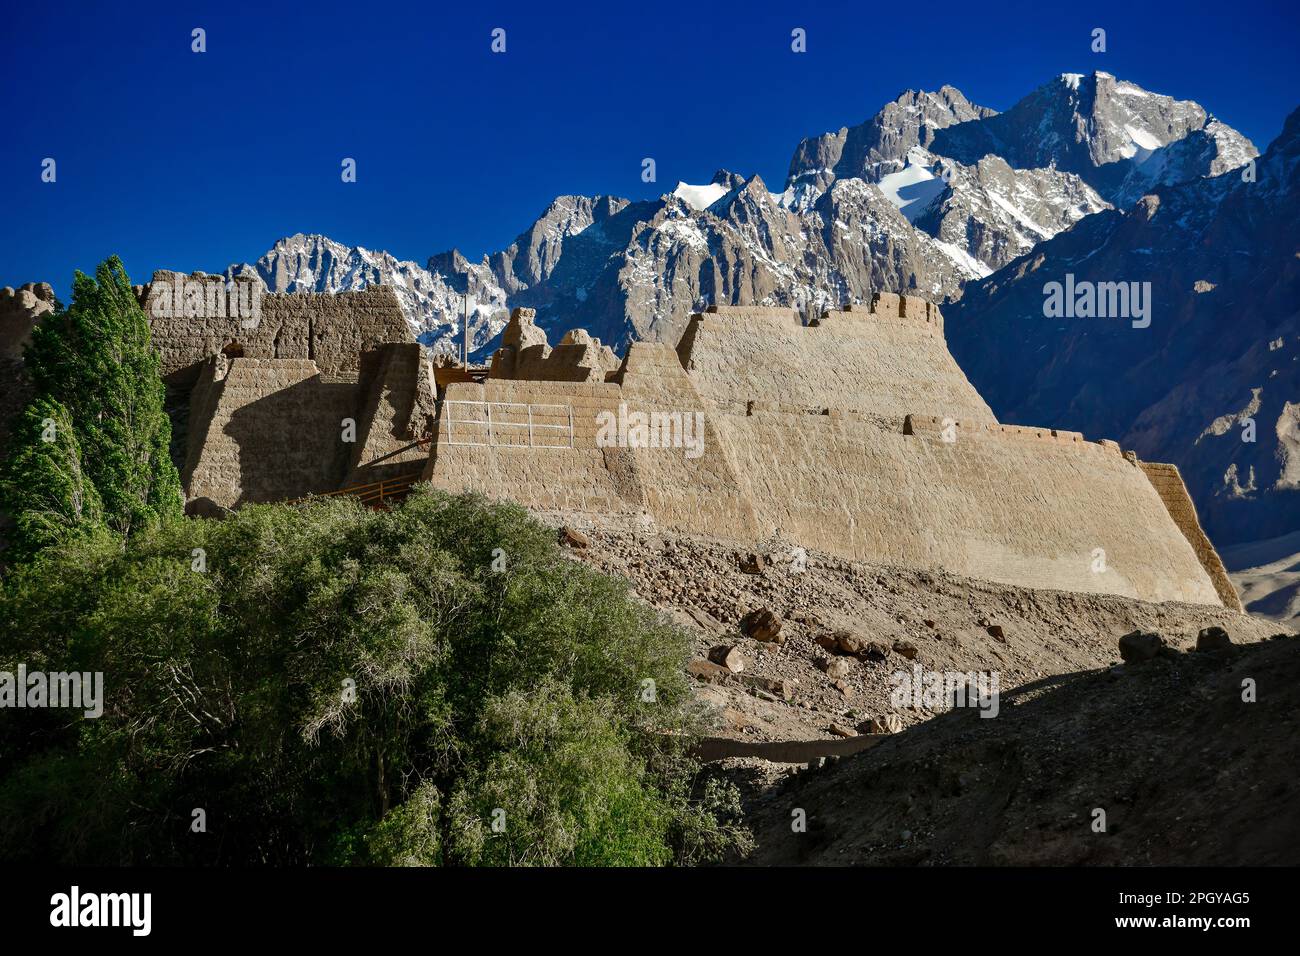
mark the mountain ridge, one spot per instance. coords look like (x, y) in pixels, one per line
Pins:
(878, 206)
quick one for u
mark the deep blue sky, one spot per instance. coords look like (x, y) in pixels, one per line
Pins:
(192, 161)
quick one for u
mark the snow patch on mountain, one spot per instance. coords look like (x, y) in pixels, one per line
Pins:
(700, 197)
(913, 188)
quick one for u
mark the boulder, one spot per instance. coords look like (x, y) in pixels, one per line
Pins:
(779, 687)
(728, 656)
(573, 538)
(762, 625)
(882, 724)
(827, 642)
(1138, 646)
(836, 668)
(848, 642)
(752, 563)
(707, 671)
(1213, 638)
(874, 651)
(839, 730)
(906, 649)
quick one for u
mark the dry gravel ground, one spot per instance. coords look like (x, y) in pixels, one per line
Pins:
(1185, 770)
(783, 694)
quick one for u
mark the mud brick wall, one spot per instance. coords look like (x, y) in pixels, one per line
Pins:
(20, 310)
(679, 491)
(888, 359)
(331, 330)
(546, 475)
(397, 405)
(1002, 508)
(683, 492)
(858, 435)
(1168, 483)
(273, 430)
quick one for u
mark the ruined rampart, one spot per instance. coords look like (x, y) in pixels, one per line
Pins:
(280, 396)
(20, 310)
(888, 359)
(267, 430)
(1168, 483)
(562, 445)
(194, 317)
(858, 435)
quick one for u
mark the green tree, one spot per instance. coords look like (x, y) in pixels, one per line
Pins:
(340, 685)
(96, 359)
(44, 483)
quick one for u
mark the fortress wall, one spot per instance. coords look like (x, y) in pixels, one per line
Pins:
(686, 488)
(1168, 483)
(888, 360)
(1003, 509)
(525, 354)
(546, 478)
(934, 427)
(20, 311)
(858, 435)
(275, 432)
(203, 318)
(650, 473)
(396, 399)
(203, 406)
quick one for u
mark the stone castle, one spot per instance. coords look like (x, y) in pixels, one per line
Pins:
(854, 432)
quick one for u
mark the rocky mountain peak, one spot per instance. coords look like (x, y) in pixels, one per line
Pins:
(881, 144)
(1121, 139)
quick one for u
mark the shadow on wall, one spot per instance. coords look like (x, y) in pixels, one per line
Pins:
(296, 437)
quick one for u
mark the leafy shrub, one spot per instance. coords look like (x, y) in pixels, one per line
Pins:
(341, 685)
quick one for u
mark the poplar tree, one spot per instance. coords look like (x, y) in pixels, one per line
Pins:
(94, 363)
(44, 484)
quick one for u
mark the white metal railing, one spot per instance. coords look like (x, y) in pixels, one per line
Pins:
(448, 418)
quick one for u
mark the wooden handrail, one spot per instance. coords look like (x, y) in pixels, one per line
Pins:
(371, 492)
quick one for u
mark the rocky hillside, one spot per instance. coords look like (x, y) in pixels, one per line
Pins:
(809, 651)
(1213, 384)
(1185, 771)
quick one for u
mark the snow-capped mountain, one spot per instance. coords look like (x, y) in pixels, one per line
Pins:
(990, 211)
(993, 184)
(929, 194)
(1212, 383)
(432, 298)
(880, 146)
(1119, 138)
